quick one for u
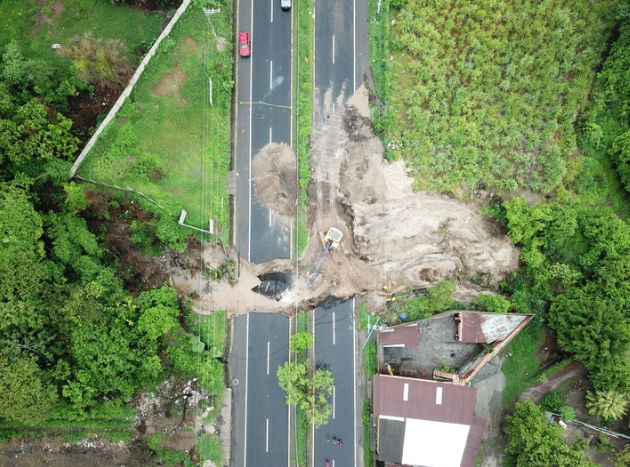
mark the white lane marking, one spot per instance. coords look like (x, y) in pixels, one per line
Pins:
(251, 78)
(269, 217)
(270, 135)
(271, 3)
(354, 46)
(334, 329)
(246, 376)
(266, 435)
(270, 73)
(268, 345)
(354, 373)
(333, 463)
(333, 49)
(333, 402)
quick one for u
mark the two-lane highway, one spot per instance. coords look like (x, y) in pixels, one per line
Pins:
(341, 47)
(260, 436)
(334, 349)
(263, 115)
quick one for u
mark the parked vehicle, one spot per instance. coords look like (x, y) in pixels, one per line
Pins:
(244, 44)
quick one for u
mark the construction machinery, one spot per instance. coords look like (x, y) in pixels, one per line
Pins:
(330, 242)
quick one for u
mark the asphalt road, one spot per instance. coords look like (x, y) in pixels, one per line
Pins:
(260, 428)
(263, 115)
(341, 46)
(334, 349)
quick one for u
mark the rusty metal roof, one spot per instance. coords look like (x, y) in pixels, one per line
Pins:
(486, 328)
(457, 402)
(406, 335)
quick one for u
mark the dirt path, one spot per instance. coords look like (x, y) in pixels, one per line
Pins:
(535, 393)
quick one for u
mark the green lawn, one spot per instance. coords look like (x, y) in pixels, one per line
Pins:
(167, 141)
(36, 27)
(521, 364)
(209, 448)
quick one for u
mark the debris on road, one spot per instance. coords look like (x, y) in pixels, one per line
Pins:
(273, 173)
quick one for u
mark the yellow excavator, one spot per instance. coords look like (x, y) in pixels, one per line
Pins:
(330, 242)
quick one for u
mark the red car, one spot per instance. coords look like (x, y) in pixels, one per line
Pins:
(244, 44)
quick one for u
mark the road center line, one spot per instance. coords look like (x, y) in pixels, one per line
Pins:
(269, 217)
(334, 329)
(266, 435)
(354, 376)
(333, 48)
(333, 402)
(268, 345)
(270, 73)
(270, 133)
(271, 4)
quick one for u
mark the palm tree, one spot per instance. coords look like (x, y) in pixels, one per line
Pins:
(608, 404)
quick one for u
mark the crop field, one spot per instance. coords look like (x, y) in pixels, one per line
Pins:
(485, 94)
(168, 141)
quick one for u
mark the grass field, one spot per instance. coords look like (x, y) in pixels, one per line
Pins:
(486, 93)
(37, 25)
(521, 366)
(167, 141)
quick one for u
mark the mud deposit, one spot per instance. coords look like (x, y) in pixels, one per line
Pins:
(273, 172)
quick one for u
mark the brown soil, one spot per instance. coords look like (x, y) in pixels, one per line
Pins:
(47, 14)
(52, 450)
(393, 237)
(273, 172)
(84, 109)
(187, 46)
(221, 44)
(535, 393)
(170, 85)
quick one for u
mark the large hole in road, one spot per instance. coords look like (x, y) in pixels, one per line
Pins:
(273, 284)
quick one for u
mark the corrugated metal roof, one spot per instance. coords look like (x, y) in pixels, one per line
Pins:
(406, 335)
(485, 328)
(457, 406)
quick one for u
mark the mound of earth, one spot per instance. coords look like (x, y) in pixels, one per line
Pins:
(273, 172)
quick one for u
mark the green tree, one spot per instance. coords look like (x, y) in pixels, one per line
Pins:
(492, 302)
(440, 295)
(608, 404)
(301, 341)
(307, 390)
(622, 458)
(534, 442)
(25, 397)
(76, 199)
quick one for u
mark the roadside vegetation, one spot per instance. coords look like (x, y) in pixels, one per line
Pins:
(93, 62)
(303, 113)
(74, 330)
(167, 141)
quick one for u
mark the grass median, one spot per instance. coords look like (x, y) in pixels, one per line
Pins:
(303, 114)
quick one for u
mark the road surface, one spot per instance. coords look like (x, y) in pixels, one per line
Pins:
(260, 429)
(341, 46)
(263, 115)
(334, 349)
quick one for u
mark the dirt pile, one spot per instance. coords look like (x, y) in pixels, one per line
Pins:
(273, 172)
(393, 236)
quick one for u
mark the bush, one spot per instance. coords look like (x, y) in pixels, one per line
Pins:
(495, 303)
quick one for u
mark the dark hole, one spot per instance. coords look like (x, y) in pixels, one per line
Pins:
(273, 284)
